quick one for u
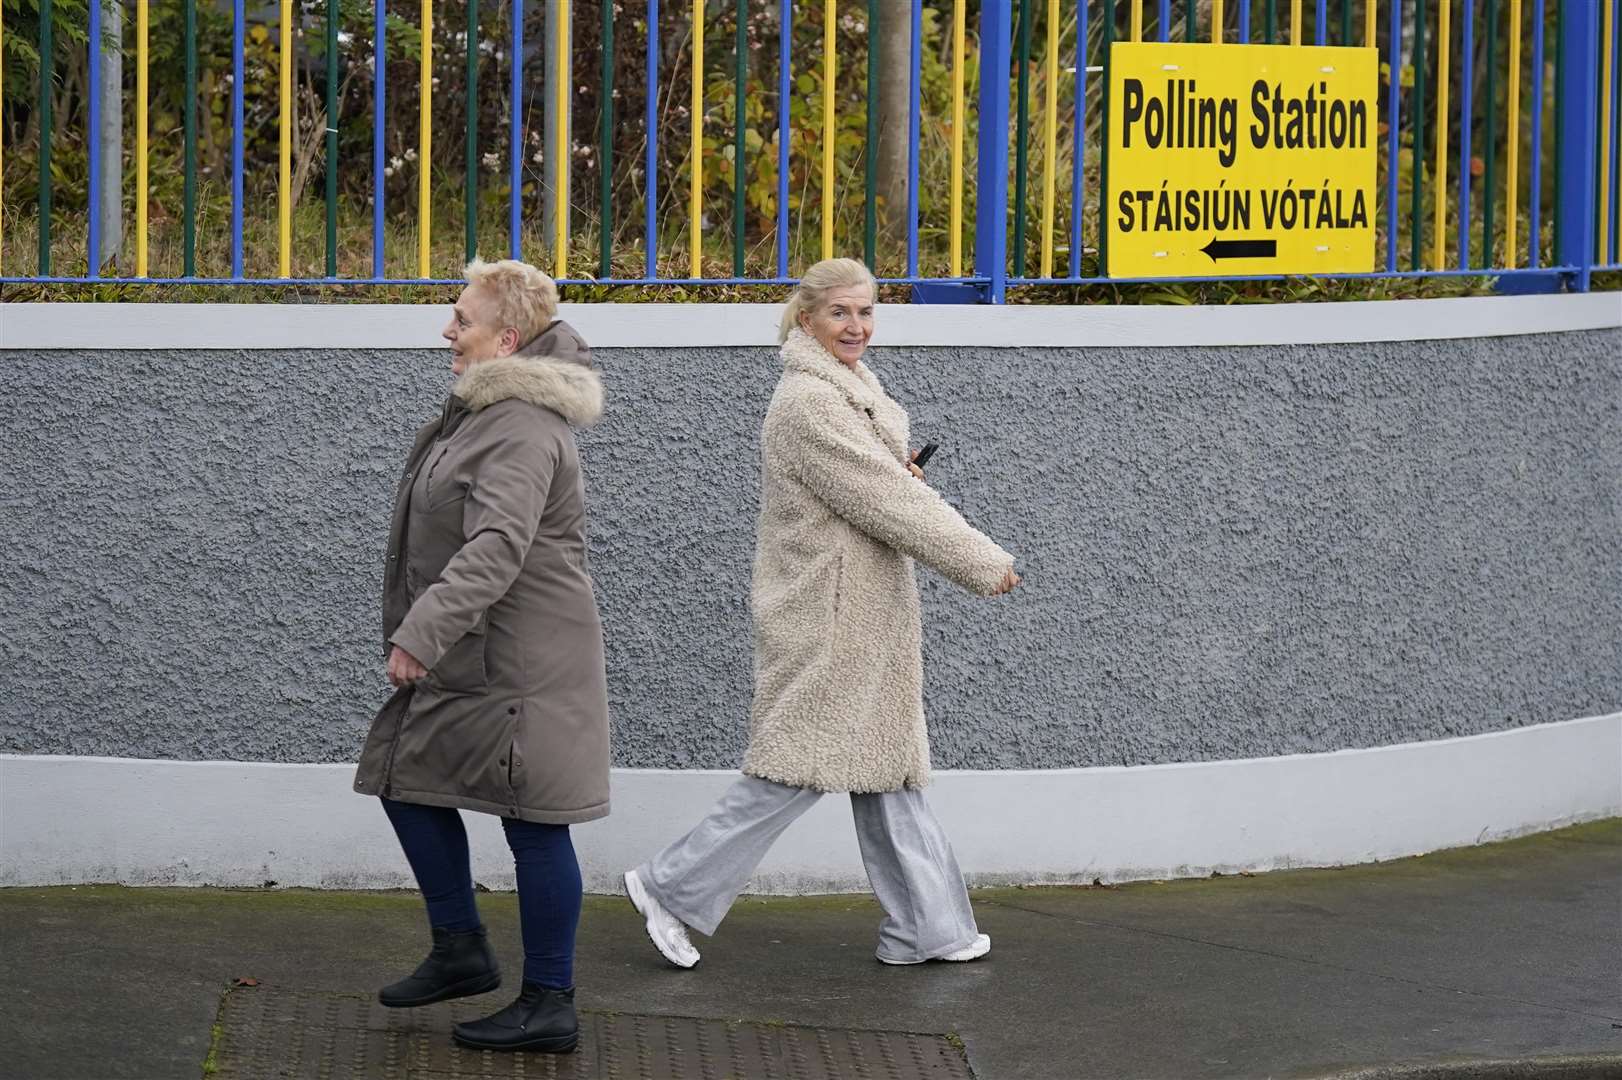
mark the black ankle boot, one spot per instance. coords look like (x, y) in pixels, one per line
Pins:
(540, 1019)
(460, 964)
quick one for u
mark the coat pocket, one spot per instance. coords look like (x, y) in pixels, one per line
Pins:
(462, 669)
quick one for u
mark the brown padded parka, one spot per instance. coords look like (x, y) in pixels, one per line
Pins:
(486, 584)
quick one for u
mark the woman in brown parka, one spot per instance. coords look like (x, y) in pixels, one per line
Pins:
(496, 647)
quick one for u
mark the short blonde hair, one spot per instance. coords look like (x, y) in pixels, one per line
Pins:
(525, 298)
(817, 282)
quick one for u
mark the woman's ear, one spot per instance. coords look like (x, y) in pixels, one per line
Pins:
(509, 341)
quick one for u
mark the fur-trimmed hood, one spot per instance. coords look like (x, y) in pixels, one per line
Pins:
(566, 387)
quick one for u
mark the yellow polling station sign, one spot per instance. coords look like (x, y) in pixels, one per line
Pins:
(1228, 160)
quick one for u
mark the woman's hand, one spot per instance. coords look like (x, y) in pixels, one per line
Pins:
(1009, 580)
(405, 669)
(915, 470)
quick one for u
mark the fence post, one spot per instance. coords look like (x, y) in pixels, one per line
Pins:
(991, 180)
(1577, 77)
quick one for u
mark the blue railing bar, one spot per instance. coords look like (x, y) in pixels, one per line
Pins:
(93, 138)
(991, 181)
(1393, 105)
(785, 62)
(1165, 18)
(1478, 272)
(650, 166)
(515, 169)
(379, 150)
(1616, 127)
(914, 136)
(1078, 198)
(1320, 22)
(1578, 77)
(1244, 21)
(1373, 275)
(1466, 116)
(239, 18)
(81, 280)
(1535, 195)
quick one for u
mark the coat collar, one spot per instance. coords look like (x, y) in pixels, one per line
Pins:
(566, 387)
(805, 354)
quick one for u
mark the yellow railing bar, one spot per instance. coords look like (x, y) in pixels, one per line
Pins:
(959, 18)
(141, 194)
(1602, 235)
(560, 148)
(695, 193)
(830, 71)
(1512, 123)
(1295, 21)
(425, 139)
(1444, 19)
(1137, 25)
(1369, 20)
(1051, 142)
(284, 175)
(1216, 22)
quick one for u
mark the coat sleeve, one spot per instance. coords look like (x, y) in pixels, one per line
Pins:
(511, 474)
(824, 443)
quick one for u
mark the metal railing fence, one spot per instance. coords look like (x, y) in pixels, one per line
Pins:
(1499, 147)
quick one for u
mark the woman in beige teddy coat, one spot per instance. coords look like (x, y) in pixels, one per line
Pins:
(838, 703)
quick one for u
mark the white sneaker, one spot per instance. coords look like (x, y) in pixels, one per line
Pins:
(973, 951)
(668, 933)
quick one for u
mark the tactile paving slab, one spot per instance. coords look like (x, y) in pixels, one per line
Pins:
(271, 1033)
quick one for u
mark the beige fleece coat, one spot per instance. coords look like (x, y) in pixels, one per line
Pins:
(838, 655)
(486, 584)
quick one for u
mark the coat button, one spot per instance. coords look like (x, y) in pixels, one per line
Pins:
(394, 558)
(502, 763)
(512, 712)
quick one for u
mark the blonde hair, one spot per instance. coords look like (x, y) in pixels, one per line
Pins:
(525, 298)
(817, 282)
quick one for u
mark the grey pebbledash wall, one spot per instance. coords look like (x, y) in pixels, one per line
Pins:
(1228, 552)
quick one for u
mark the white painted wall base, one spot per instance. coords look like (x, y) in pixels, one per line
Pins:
(74, 820)
(679, 326)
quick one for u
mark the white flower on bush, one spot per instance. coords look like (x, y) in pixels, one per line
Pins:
(491, 161)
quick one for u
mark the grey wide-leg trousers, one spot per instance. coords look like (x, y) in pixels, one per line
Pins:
(908, 859)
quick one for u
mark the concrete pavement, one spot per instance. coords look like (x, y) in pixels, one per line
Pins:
(1442, 963)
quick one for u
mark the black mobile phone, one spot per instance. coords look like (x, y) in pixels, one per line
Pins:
(925, 454)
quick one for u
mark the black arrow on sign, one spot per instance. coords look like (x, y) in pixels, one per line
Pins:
(1241, 249)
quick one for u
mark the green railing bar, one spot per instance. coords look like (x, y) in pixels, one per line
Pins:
(1489, 173)
(332, 138)
(1346, 21)
(47, 53)
(870, 222)
(1190, 25)
(1416, 225)
(740, 78)
(605, 255)
(1103, 159)
(1022, 136)
(472, 164)
(189, 198)
(1559, 126)
(1272, 20)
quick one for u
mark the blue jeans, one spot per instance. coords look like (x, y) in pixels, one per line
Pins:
(549, 888)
